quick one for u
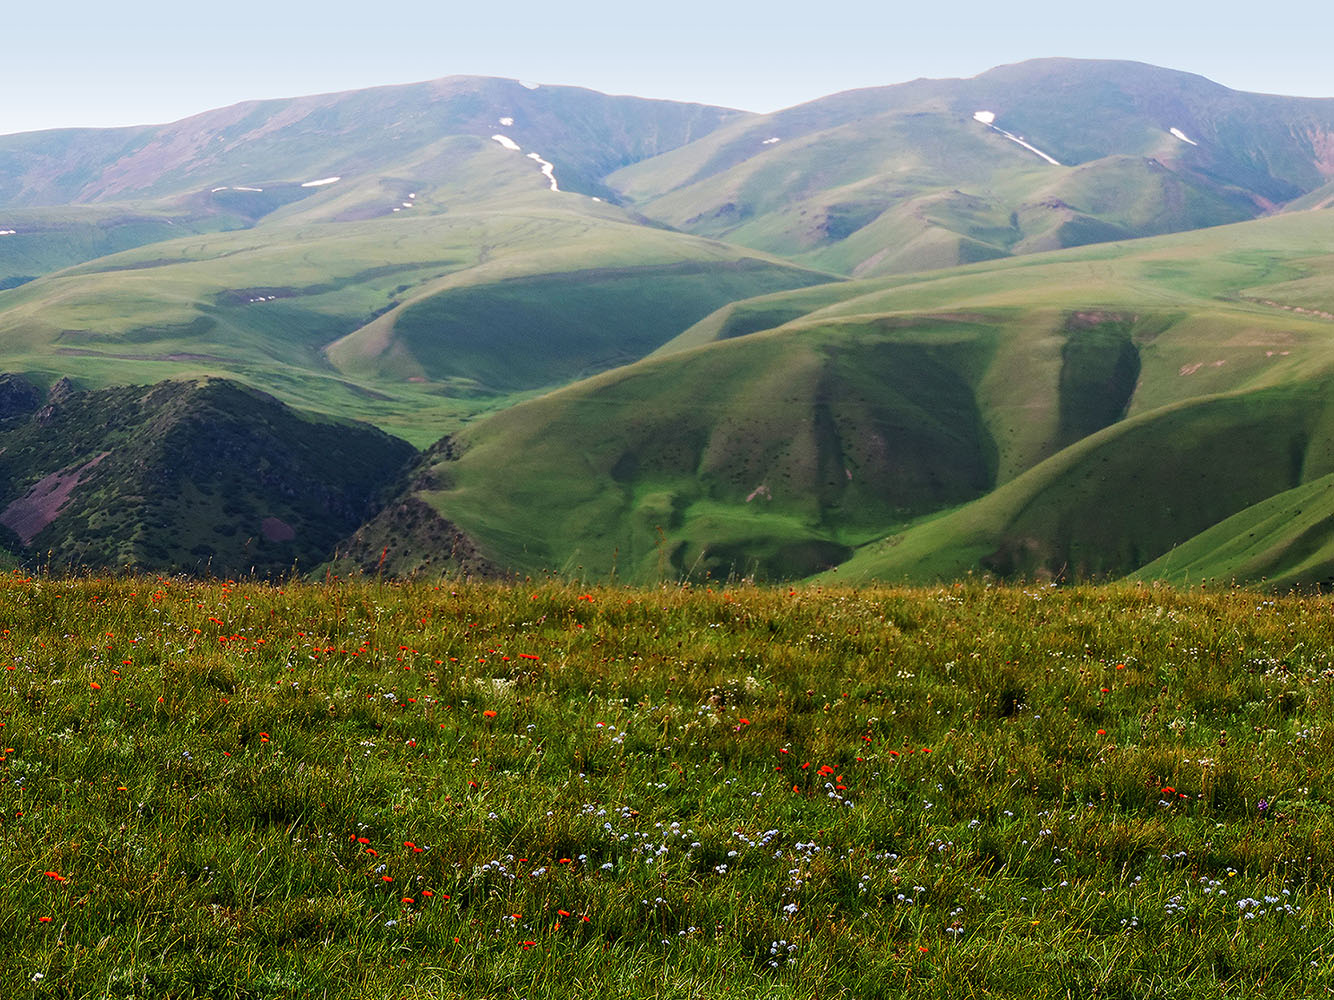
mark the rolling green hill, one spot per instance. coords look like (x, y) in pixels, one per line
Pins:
(412, 321)
(1077, 413)
(632, 321)
(409, 255)
(1037, 156)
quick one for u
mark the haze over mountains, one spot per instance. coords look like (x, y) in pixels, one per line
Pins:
(909, 332)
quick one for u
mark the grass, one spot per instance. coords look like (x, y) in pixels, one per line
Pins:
(1000, 417)
(358, 789)
(815, 442)
(403, 321)
(902, 179)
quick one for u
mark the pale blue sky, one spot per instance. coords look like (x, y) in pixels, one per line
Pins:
(73, 62)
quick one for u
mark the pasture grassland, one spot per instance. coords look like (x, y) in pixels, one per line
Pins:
(402, 321)
(363, 789)
(1024, 395)
(837, 181)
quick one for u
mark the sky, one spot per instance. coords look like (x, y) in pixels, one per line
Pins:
(79, 63)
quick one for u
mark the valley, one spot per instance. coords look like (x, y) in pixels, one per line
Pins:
(1066, 319)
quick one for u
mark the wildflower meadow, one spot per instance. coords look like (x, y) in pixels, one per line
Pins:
(365, 789)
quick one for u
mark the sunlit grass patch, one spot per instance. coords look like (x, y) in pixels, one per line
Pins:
(384, 790)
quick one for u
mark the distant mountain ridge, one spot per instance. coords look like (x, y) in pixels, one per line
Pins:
(941, 172)
(306, 139)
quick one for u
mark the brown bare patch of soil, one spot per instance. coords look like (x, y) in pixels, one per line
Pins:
(275, 529)
(41, 505)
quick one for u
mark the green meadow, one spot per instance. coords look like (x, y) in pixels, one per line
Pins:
(1001, 417)
(371, 789)
(412, 322)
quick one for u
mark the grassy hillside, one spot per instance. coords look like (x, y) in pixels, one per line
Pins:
(1084, 411)
(207, 477)
(367, 790)
(411, 321)
(352, 134)
(39, 241)
(1041, 155)
(1286, 540)
(623, 397)
(765, 455)
(343, 211)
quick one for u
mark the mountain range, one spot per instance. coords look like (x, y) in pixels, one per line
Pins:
(1066, 318)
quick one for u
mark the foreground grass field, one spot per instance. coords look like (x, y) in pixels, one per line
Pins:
(366, 790)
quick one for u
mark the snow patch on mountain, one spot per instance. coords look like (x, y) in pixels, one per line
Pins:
(321, 182)
(9, 232)
(1032, 149)
(770, 142)
(529, 86)
(548, 171)
(988, 119)
(507, 121)
(1182, 136)
(256, 190)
